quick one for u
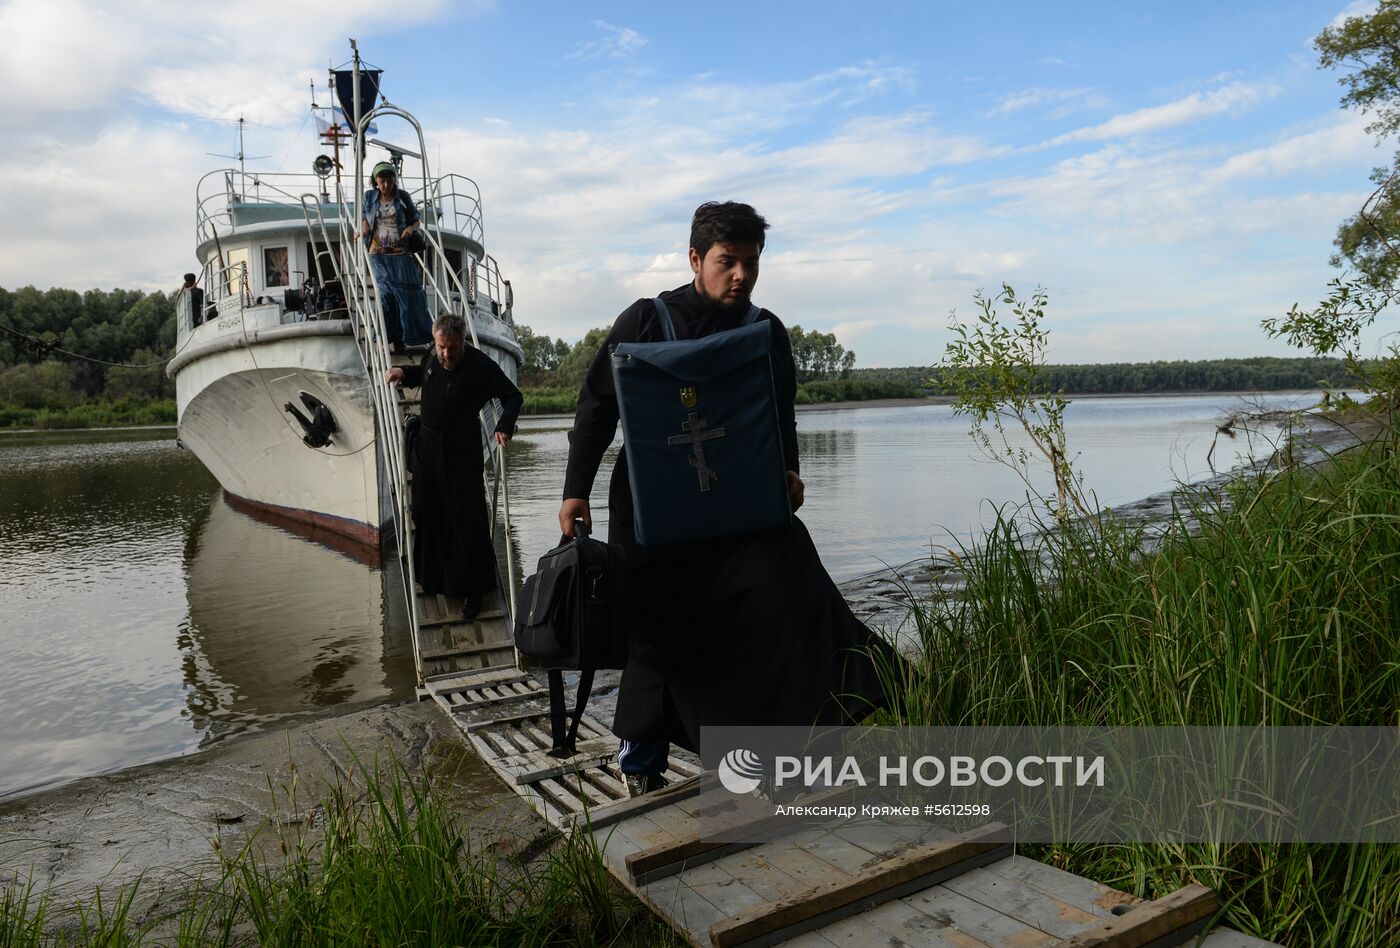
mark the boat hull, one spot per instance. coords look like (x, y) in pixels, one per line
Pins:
(232, 415)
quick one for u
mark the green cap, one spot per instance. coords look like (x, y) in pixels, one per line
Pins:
(382, 167)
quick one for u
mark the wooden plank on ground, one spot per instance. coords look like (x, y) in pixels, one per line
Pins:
(465, 681)
(891, 879)
(1183, 912)
(456, 651)
(978, 923)
(898, 922)
(496, 704)
(1024, 903)
(1082, 893)
(703, 847)
(456, 619)
(667, 796)
(539, 765)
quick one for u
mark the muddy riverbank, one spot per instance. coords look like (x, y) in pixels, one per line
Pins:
(160, 823)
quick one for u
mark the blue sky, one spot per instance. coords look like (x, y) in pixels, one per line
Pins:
(1171, 174)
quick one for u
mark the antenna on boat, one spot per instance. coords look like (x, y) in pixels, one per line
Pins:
(240, 156)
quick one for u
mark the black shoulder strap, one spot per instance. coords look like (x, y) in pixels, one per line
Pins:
(565, 743)
(668, 328)
(663, 316)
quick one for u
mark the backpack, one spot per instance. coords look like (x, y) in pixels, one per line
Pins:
(572, 615)
(700, 429)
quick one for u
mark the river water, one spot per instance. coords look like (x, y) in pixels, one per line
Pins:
(142, 617)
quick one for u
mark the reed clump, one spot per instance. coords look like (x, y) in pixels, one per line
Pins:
(1272, 601)
(382, 861)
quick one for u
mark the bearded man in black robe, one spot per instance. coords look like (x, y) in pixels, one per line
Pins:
(745, 629)
(452, 552)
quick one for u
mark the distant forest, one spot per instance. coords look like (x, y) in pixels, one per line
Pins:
(1259, 374)
(43, 387)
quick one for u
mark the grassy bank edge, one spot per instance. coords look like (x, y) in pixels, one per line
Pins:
(377, 859)
(1267, 601)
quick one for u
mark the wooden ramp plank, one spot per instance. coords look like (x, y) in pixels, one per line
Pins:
(975, 922)
(1093, 897)
(1031, 906)
(898, 922)
(908, 872)
(1182, 913)
(671, 795)
(702, 846)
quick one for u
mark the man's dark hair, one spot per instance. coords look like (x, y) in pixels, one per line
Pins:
(189, 279)
(450, 323)
(727, 223)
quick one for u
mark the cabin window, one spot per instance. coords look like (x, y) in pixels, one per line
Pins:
(236, 271)
(276, 271)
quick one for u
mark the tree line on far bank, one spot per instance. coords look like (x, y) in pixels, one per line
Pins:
(45, 388)
(1258, 374)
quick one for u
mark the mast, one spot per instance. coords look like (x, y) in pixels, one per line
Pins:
(358, 142)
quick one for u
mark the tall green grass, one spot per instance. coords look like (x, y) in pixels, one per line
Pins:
(1270, 602)
(378, 862)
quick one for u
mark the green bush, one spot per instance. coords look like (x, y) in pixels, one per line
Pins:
(853, 390)
(128, 411)
(550, 401)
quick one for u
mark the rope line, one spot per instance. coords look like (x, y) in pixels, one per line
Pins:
(33, 345)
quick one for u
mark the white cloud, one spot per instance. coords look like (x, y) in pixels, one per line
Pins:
(1231, 98)
(1336, 144)
(617, 42)
(1355, 8)
(205, 60)
(1064, 100)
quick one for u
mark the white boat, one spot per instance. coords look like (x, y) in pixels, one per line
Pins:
(271, 377)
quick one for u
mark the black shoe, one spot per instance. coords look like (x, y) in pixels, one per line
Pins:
(471, 607)
(398, 348)
(638, 784)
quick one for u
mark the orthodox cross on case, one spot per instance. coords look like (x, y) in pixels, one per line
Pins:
(697, 432)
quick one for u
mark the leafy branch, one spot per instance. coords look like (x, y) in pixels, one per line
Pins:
(990, 367)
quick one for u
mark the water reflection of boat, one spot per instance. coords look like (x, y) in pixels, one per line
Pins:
(280, 624)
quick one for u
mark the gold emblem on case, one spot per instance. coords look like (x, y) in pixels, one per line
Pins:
(689, 397)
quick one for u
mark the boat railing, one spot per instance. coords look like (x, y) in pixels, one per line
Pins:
(229, 287)
(452, 201)
(313, 212)
(457, 201)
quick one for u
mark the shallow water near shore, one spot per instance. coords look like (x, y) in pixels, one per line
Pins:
(142, 617)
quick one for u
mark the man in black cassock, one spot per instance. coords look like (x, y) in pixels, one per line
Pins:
(737, 630)
(452, 552)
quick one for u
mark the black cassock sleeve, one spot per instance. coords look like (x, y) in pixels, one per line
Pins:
(413, 374)
(595, 421)
(498, 385)
(785, 390)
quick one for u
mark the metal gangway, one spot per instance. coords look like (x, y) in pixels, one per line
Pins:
(444, 644)
(470, 669)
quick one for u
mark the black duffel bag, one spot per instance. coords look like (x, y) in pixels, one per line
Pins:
(572, 616)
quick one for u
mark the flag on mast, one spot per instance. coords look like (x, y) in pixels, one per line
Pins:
(339, 123)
